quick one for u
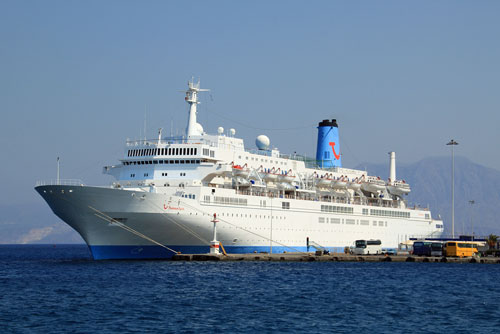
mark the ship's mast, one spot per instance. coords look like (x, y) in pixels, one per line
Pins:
(193, 128)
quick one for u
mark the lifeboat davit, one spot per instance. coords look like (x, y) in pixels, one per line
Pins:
(242, 182)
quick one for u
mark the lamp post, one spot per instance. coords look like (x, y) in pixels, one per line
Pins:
(58, 180)
(452, 143)
(471, 202)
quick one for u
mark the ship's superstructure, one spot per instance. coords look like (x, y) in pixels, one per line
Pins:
(167, 190)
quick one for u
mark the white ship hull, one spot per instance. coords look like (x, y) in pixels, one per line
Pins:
(167, 191)
(184, 225)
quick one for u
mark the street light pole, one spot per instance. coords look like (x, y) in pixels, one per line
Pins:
(58, 180)
(452, 143)
(472, 202)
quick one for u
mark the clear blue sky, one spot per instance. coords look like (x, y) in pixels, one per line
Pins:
(77, 76)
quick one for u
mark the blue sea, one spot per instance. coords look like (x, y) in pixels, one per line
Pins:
(60, 289)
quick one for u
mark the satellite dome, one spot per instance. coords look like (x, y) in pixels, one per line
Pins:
(220, 130)
(232, 132)
(262, 142)
(199, 128)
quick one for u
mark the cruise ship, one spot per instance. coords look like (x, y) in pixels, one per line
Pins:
(168, 191)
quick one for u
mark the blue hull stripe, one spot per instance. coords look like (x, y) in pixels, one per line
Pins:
(157, 252)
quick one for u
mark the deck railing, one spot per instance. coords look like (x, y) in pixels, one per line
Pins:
(394, 204)
(61, 182)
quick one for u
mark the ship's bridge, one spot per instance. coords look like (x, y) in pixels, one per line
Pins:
(173, 157)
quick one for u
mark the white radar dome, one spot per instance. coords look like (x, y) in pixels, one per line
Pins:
(232, 132)
(199, 129)
(220, 130)
(262, 142)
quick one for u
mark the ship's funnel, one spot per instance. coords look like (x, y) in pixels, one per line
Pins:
(328, 149)
(392, 166)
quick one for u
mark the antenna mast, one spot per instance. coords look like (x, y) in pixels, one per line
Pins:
(193, 128)
(145, 136)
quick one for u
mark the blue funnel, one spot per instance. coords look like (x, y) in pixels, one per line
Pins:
(328, 149)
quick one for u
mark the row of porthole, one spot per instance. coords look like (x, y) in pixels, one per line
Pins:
(265, 160)
(235, 215)
(162, 174)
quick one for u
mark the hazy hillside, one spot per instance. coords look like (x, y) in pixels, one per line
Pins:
(34, 223)
(430, 180)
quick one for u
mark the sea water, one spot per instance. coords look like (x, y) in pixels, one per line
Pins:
(60, 289)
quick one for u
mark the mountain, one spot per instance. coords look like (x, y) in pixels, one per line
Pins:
(430, 181)
(34, 223)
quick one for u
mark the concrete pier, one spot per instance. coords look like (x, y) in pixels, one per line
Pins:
(302, 257)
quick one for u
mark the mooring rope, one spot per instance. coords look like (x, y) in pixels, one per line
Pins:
(107, 218)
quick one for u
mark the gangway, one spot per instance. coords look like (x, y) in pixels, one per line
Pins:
(319, 247)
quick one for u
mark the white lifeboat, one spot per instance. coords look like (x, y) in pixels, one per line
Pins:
(340, 183)
(269, 175)
(324, 181)
(398, 188)
(354, 185)
(241, 171)
(373, 184)
(287, 177)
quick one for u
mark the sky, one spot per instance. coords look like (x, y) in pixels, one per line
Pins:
(77, 78)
